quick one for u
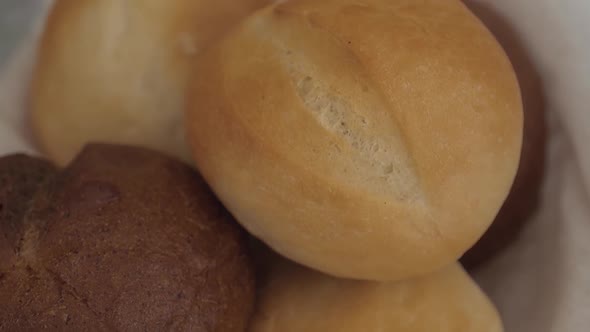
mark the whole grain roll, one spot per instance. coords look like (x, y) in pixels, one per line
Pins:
(20, 177)
(123, 239)
(115, 71)
(370, 139)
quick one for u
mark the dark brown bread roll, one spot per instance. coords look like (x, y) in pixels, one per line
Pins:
(127, 239)
(20, 177)
(525, 193)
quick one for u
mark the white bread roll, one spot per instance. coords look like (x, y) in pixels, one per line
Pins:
(371, 139)
(115, 71)
(296, 299)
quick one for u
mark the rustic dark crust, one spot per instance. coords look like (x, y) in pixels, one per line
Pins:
(20, 176)
(128, 239)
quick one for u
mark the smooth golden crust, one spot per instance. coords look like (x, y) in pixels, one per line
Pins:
(115, 71)
(127, 239)
(297, 299)
(367, 139)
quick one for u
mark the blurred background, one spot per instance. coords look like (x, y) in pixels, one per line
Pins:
(16, 17)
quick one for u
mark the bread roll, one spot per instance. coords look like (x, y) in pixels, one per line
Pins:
(123, 239)
(296, 299)
(20, 177)
(371, 139)
(115, 71)
(524, 196)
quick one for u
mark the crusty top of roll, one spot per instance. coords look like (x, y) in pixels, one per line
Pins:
(368, 139)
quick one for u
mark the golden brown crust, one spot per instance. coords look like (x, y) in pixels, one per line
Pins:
(128, 239)
(367, 139)
(297, 299)
(115, 71)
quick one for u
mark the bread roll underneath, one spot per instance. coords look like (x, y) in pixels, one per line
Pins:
(371, 139)
(296, 299)
(115, 71)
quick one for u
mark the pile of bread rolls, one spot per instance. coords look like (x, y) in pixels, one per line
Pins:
(369, 143)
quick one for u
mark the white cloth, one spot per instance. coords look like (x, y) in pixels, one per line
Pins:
(542, 283)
